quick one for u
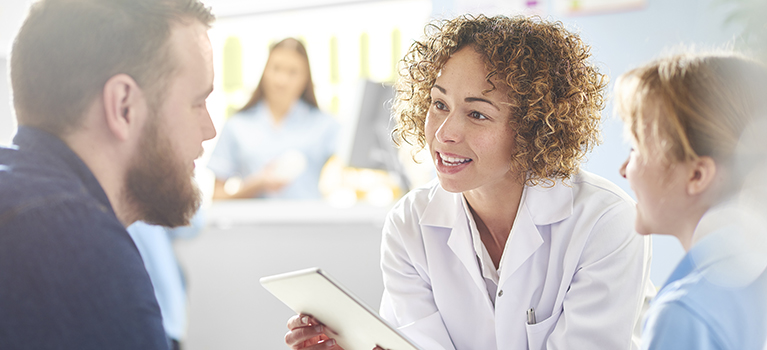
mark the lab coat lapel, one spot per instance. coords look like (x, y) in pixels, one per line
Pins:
(445, 210)
(540, 206)
(523, 242)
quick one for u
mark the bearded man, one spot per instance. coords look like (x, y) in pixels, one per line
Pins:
(110, 101)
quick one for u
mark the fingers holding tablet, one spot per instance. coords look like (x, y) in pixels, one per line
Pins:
(305, 332)
(329, 316)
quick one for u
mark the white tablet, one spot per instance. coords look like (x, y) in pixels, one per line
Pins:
(356, 326)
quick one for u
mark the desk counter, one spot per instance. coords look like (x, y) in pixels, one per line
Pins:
(248, 239)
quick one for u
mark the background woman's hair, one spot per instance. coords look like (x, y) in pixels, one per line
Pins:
(308, 94)
(556, 95)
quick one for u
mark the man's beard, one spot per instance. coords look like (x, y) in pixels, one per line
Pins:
(159, 186)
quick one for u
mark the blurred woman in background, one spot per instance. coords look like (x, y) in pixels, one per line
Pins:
(279, 141)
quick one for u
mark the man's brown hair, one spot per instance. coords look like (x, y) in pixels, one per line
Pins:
(66, 50)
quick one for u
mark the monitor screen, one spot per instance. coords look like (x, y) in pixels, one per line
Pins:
(370, 144)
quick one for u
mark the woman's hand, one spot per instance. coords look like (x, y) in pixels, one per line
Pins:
(307, 333)
(269, 179)
(251, 186)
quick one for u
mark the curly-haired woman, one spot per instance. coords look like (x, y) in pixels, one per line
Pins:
(512, 247)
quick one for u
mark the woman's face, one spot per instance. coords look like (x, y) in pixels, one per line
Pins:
(467, 127)
(660, 189)
(285, 76)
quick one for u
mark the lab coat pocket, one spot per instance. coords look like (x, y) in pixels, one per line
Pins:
(539, 332)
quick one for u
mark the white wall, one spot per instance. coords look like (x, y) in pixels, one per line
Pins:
(12, 13)
(7, 121)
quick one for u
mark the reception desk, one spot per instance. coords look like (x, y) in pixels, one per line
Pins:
(245, 240)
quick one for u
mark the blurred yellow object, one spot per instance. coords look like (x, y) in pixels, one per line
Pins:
(344, 186)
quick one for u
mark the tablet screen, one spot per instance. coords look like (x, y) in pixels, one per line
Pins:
(356, 326)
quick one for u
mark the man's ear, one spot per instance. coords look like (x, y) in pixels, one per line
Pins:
(702, 175)
(123, 105)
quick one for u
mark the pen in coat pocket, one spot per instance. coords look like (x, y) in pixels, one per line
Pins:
(531, 316)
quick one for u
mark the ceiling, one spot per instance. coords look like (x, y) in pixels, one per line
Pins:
(237, 8)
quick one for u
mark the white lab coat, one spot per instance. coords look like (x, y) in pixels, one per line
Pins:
(573, 256)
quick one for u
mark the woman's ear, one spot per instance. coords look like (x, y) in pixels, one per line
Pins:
(123, 103)
(701, 176)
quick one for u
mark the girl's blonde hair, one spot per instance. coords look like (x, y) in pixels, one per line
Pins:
(691, 105)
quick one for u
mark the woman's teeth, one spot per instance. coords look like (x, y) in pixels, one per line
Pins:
(451, 161)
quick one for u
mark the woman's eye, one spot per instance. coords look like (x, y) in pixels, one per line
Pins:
(440, 105)
(477, 115)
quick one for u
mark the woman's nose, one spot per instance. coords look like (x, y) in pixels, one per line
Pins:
(449, 130)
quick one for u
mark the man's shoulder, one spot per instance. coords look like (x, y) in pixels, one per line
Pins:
(50, 215)
(67, 257)
(29, 181)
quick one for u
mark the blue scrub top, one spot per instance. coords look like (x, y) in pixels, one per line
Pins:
(250, 140)
(715, 299)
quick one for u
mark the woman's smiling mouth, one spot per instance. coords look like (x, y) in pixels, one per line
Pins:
(452, 161)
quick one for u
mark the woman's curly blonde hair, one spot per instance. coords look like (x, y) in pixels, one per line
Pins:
(556, 95)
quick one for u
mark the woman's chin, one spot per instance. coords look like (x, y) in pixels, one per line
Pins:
(450, 186)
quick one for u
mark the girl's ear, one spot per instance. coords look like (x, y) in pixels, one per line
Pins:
(701, 176)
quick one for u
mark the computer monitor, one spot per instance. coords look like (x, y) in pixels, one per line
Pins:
(369, 143)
